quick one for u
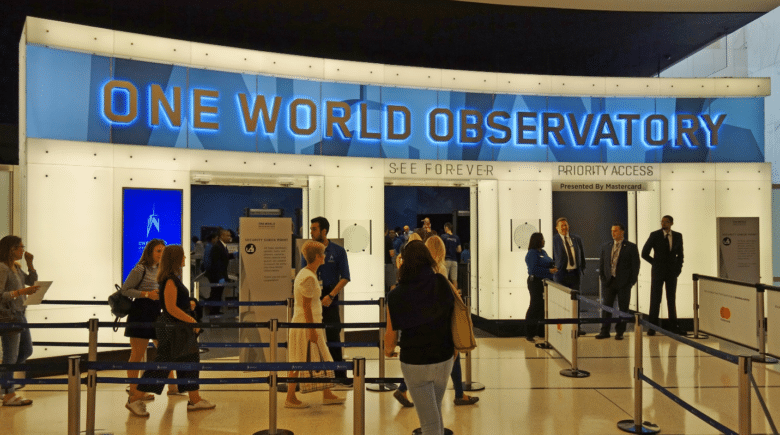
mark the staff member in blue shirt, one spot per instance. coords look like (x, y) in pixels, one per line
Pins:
(540, 266)
(334, 275)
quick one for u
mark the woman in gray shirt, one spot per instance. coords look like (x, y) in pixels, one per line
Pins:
(17, 345)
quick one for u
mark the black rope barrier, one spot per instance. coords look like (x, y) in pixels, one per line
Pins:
(66, 302)
(243, 303)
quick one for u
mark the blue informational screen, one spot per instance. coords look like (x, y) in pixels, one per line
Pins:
(148, 214)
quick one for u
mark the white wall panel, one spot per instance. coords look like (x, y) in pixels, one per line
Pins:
(354, 72)
(350, 199)
(692, 204)
(169, 159)
(151, 48)
(474, 265)
(519, 202)
(70, 228)
(71, 36)
(487, 225)
(57, 152)
(220, 161)
(469, 80)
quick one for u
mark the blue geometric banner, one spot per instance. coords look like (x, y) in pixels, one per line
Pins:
(83, 97)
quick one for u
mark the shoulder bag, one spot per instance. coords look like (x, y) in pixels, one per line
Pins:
(7, 315)
(462, 326)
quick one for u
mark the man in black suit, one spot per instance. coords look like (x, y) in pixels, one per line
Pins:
(218, 266)
(667, 261)
(619, 269)
(569, 258)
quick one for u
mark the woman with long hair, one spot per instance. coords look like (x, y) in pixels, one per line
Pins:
(16, 345)
(141, 286)
(421, 308)
(175, 303)
(438, 251)
(308, 309)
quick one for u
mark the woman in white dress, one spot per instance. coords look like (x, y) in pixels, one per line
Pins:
(308, 309)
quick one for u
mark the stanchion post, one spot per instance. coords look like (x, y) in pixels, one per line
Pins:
(74, 395)
(745, 369)
(695, 305)
(359, 395)
(574, 371)
(92, 376)
(636, 425)
(196, 290)
(383, 320)
(761, 320)
(290, 306)
(272, 390)
(468, 384)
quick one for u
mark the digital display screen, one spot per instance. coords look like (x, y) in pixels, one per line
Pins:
(148, 214)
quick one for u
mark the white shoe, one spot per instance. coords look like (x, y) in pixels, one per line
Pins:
(138, 408)
(200, 406)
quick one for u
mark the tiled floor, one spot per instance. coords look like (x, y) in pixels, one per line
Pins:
(525, 394)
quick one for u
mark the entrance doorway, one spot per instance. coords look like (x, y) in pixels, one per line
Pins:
(591, 216)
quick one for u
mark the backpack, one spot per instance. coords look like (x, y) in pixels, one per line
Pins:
(121, 304)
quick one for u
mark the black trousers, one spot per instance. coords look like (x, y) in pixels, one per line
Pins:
(656, 294)
(623, 295)
(536, 307)
(215, 296)
(331, 315)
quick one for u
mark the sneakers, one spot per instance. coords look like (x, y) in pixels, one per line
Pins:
(466, 400)
(401, 398)
(200, 406)
(333, 400)
(292, 405)
(138, 408)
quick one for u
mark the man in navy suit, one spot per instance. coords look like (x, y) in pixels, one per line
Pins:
(569, 258)
(568, 255)
(619, 270)
(667, 261)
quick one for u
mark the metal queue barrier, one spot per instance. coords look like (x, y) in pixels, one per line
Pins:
(744, 380)
(731, 310)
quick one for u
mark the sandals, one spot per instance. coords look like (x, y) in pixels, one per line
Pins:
(300, 405)
(176, 393)
(17, 401)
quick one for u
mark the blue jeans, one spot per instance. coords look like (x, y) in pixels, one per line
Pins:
(427, 384)
(17, 348)
(456, 376)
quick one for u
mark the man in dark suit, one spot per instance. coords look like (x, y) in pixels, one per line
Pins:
(568, 255)
(218, 266)
(569, 258)
(667, 261)
(619, 270)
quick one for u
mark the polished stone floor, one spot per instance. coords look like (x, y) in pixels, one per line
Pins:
(525, 394)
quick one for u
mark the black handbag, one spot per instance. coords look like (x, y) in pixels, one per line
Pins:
(184, 340)
(121, 304)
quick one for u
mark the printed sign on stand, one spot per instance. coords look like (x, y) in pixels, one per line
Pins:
(729, 311)
(738, 249)
(264, 252)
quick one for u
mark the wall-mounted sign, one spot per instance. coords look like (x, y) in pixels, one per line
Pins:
(439, 169)
(602, 186)
(84, 97)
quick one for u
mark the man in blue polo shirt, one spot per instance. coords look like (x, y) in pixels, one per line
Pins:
(453, 248)
(333, 275)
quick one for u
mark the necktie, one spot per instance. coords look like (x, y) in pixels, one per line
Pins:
(569, 251)
(615, 251)
(668, 242)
